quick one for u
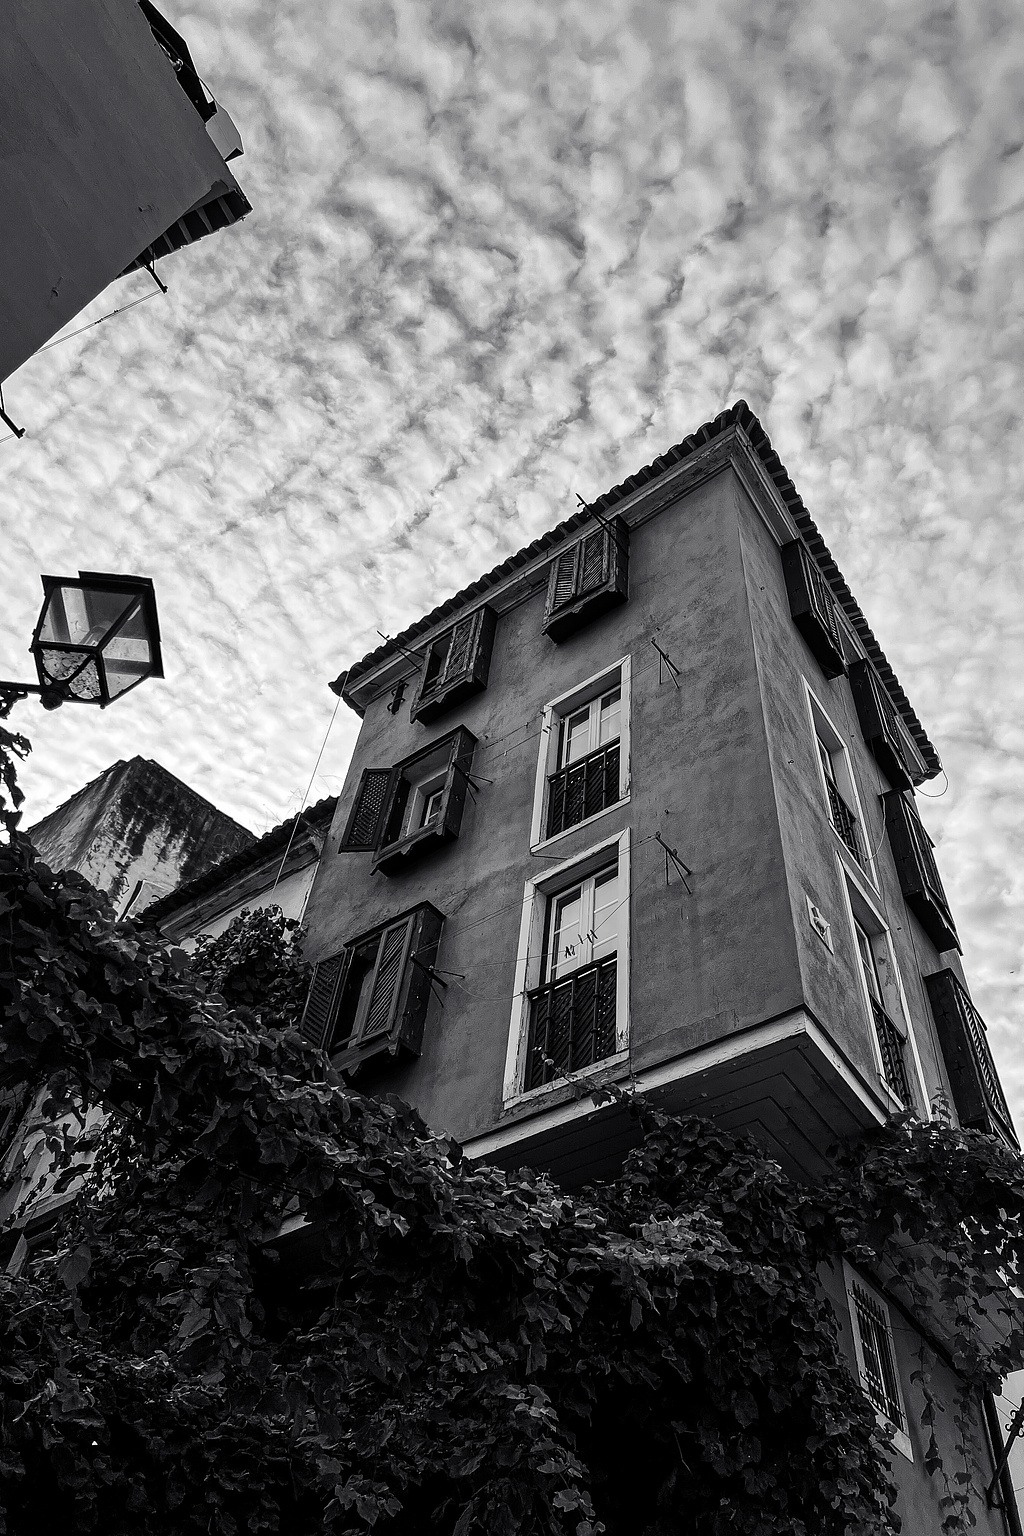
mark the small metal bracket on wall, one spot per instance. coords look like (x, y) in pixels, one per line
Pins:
(18, 431)
(682, 870)
(665, 660)
(396, 698)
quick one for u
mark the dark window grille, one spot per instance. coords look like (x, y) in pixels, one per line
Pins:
(890, 1043)
(880, 1384)
(572, 1023)
(583, 788)
(845, 822)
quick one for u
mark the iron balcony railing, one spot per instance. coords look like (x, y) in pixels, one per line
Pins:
(891, 1045)
(572, 1023)
(845, 822)
(994, 1108)
(583, 789)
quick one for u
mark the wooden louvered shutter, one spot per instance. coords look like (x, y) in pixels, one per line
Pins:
(392, 958)
(593, 561)
(878, 724)
(812, 607)
(563, 586)
(460, 650)
(466, 665)
(321, 1001)
(369, 809)
(587, 580)
(917, 871)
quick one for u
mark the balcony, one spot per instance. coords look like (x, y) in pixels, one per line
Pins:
(572, 1023)
(890, 1044)
(977, 1091)
(584, 788)
(845, 822)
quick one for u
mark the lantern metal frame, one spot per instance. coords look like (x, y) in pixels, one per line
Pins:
(56, 691)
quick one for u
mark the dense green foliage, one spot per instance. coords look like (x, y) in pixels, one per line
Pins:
(425, 1347)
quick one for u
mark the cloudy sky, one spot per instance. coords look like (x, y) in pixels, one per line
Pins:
(505, 253)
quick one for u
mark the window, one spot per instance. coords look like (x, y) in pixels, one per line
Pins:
(840, 789)
(583, 768)
(569, 1012)
(812, 607)
(918, 874)
(880, 725)
(876, 1357)
(372, 997)
(456, 665)
(587, 580)
(401, 813)
(878, 970)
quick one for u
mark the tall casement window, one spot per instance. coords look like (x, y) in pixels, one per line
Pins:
(583, 767)
(371, 997)
(876, 1357)
(401, 813)
(455, 666)
(838, 785)
(875, 960)
(569, 1012)
(587, 579)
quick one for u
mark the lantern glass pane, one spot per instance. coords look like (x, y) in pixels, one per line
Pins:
(87, 683)
(58, 666)
(128, 655)
(80, 616)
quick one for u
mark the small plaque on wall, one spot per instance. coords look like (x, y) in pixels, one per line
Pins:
(821, 925)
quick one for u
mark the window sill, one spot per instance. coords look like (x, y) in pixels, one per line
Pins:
(395, 857)
(531, 1095)
(556, 837)
(900, 1438)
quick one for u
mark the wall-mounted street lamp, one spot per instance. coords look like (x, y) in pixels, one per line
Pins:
(95, 638)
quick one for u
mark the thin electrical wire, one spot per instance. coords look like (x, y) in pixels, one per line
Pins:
(302, 807)
(123, 310)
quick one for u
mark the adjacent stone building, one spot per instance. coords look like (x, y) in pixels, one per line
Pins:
(638, 806)
(136, 832)
(115, 154)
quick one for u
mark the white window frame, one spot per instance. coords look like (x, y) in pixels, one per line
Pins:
(530, 958)
(852, 1277)
(861, 905)
(617, 675)
(824, 730)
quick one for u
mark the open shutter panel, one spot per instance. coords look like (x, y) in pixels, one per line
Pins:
(563, 585)
(812, 607)
(593, 561)
(321, 1001)
(380, 1015)
(587, 580)
(878, 724)
(466, 665)
(917, 870)
(454, 802)
(366, 820)
(460, 651)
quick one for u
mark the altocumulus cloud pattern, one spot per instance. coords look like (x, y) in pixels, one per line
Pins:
(502, 254)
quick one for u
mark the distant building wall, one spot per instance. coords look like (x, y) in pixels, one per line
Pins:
(136, 832)
(103, 152)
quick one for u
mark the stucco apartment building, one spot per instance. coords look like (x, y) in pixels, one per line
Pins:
(638, 805)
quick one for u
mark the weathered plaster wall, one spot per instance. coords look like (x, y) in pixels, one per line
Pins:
(702, 966)
(137, 822)
(102, 152)
(815, 856)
